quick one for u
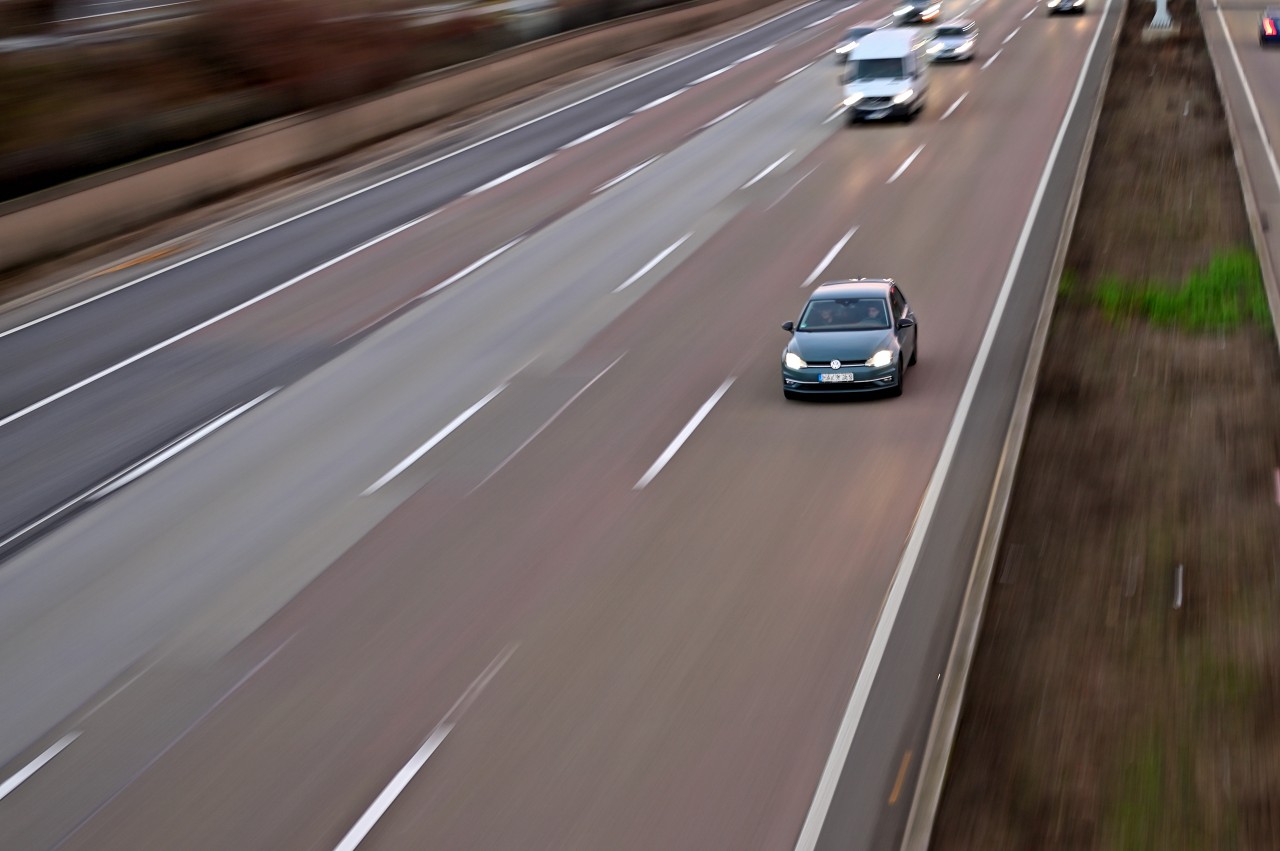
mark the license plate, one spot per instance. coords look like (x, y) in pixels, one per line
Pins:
(836, 377)
(879, 113)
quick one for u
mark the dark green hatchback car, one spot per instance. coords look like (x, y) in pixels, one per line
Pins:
(855, 336)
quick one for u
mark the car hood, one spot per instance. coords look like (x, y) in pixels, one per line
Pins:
(950, 41)
(845, 346)
(876, 88)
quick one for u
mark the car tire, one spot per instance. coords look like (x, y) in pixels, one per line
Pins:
(915, 350)
(852, 118)
(896, 390)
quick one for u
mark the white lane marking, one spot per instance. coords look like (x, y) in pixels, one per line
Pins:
(786, 77)
(1010, 36)
(515, 172)
(611, 183)
(826, 789)
(662, 255)
(675, 445)
(544, 426)
(659, 101)
(779, 161)
(953, 106)
(36, 764)
(787, 191)
(905, 164)
(840, 110)
(711, 76)
(759, 52)
(722, 116)
(1253, 104)
(399, 175)
(435, 439)
(123, 686)
(142, 468)
(831, 255)
(462, 273)
(586, 137)
(821, 21)
(1029, 13)
(406, 774)
(164, 344)
(993, 58)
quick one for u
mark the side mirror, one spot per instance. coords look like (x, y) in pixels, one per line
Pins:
(789, 327)
(906, 322)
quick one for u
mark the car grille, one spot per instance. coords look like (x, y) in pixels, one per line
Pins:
(875, 103)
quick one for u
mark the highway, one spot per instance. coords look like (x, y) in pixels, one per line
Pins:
(454, 503)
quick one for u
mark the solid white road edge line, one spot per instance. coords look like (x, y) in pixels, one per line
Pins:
(615, 181)
(905, 164)
(779, 161)
(993, 58)
(406, 774)
(515, 172)
(36, 764)
(164, 344)
(831, 255)
(826, 789)
(436, 438)
(662, 255)
(140, 470)
(399, 175)
(675, 445)
(1248, 94)
(953, 106)
(544, 426)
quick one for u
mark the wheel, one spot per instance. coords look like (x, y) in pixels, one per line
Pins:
(915, 350)
(896, 390)
(852, 119)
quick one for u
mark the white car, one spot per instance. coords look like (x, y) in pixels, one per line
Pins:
(850, 39)
(954, 41)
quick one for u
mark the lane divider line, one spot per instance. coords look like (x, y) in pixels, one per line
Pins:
(544, 426)
(615, 181)
(905, 164)
(1010, 36)
(953, 106)
(722, 116)
(515, 172)
(600, 131)
(433, 441)
(434, 739)
(36, 764)
(1029, 13)
(993, 58)
(462, 273)
(680, 438)
(711, 76)
(400, 175)
(831, 255)
(779, 161)
(662, 255)
(848, 728)
(787, 191)
(659, 101)
(802, 68)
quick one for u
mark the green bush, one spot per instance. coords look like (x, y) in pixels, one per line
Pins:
(1219, 296)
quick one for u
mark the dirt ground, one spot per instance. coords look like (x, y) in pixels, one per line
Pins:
(1111, 706)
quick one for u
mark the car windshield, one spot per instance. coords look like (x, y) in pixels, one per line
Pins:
(858, 32)
(953, 32)
(845, 314)
(878, 69)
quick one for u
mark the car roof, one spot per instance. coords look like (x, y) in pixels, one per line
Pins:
(887, 43)
(854, 288)
(957, 22)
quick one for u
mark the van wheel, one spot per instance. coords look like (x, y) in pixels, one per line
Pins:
(896, 390)
(852, 118)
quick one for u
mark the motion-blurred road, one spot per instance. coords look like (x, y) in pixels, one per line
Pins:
(455, 504)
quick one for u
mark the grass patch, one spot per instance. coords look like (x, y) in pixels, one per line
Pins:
(1220, 296)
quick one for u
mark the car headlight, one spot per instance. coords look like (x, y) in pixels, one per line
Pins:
(845, 48)
(935, 47)
(793, 361)
(884, 357)
(903, 97)
(902, 10)
(853, 99)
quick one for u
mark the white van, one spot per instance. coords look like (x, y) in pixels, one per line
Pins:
(887, 75)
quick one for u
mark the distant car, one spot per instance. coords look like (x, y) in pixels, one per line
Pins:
(1066, 6)
(850, 39)
(954, 41)
(917, 11)
(856, 336)
(1269, 26)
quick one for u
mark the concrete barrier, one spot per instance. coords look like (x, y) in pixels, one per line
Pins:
(53, 222)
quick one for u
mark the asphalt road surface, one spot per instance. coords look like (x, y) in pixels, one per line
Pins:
(455, 504)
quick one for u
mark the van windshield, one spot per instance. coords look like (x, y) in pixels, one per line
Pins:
(877, 69)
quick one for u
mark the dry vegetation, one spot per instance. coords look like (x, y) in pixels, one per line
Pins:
(1103, 712)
